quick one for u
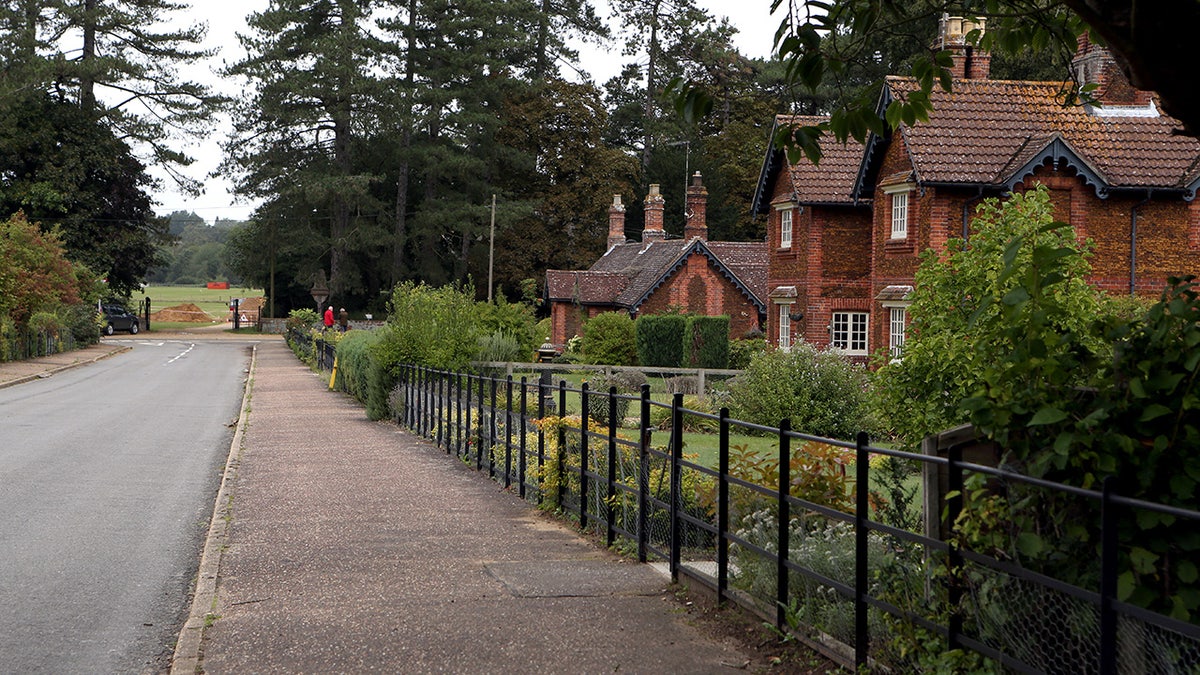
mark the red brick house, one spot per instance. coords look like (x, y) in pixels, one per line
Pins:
(1120, 173)
(819, 238)
(659, 274)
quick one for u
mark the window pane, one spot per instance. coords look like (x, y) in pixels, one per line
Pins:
(785, 327)
(899, 215)
(785, 229)
(896, 332)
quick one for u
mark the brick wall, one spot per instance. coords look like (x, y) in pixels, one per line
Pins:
(699, 288)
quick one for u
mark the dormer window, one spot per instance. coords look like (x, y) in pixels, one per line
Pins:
(786, 218)
(899, 212)
(900, 215)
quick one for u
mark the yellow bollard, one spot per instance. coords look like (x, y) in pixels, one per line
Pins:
(333, 375)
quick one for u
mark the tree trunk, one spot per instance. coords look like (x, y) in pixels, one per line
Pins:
(87, 85)
(400, 231)
(543, 60)
(651, 65)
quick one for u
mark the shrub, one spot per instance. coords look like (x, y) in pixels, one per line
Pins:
(660, 416)
(821, 392)
(628, 383)
(430, 326)
(80, 321)
(660, 339)
(512, 320)
(362, 373)
(706, 342)
(302, 319)
(608, 338)
(499, 347)
(742, 351)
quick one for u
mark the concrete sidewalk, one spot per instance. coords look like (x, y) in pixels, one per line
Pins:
(356, 547)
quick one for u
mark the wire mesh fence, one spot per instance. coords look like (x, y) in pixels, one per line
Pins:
(820, 534)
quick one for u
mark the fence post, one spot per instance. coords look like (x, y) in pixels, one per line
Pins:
(479, 429)
(458, 416)
(611, 493)
(524, 445)
(492, 427)
(785, 518)
(954, 506)
(585, 418)
(466, 451)
(1108, 578)
(439, 407)
(723, 507)
(402, 413)
(676, 483)
(562, 444)
(862, 487)
(643, 473)
(508, 395)
(541, 434)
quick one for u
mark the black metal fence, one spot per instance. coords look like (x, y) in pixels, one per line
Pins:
(801, 537)
(28, 344)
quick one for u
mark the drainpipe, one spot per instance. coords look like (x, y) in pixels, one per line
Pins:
(1133, 223)
(966, 230)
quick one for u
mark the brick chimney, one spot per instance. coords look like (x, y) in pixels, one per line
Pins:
(616, 222)
(1093, 64)
(654, 217)
(696, 222)
(970, 62)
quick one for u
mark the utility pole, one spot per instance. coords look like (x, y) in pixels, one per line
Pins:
(491, 248)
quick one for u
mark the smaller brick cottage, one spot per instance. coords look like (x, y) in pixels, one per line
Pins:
(660, 274)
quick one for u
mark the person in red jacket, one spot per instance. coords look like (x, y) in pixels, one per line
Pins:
(329, 317)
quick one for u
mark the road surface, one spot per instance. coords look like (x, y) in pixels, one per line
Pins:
(107, 478)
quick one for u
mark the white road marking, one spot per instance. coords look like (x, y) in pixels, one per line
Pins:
(181, 354)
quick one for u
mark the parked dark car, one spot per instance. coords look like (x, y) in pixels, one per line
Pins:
(117, 318)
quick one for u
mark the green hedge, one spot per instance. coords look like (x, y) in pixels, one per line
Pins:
(660, 339)
(362, 373)
(706, 342)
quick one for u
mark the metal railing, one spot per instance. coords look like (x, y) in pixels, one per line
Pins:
(28, 344)
(834, 574)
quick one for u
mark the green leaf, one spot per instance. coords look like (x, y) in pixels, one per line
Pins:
(1142, 560)
(1030, 544)
(1187, 572)
(1154, 411)
(1125, 586)
(1047, 415)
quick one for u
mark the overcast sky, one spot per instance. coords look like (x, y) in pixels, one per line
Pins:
(756, 29)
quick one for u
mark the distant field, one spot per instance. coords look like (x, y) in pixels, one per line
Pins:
(215, 302)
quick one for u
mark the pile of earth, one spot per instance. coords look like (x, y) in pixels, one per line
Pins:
(252, 304)
(186, 312)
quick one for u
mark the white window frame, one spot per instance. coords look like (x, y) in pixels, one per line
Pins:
(900, 215)
(900, 209)
(787, 224)
(850, 332)
(785, 326)
(897, 327)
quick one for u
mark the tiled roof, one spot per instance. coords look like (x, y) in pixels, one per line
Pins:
(830, 182)
(586, 287)
(985, 131)
(629, 272)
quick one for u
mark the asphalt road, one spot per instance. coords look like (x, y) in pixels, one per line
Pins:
(107, 480)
